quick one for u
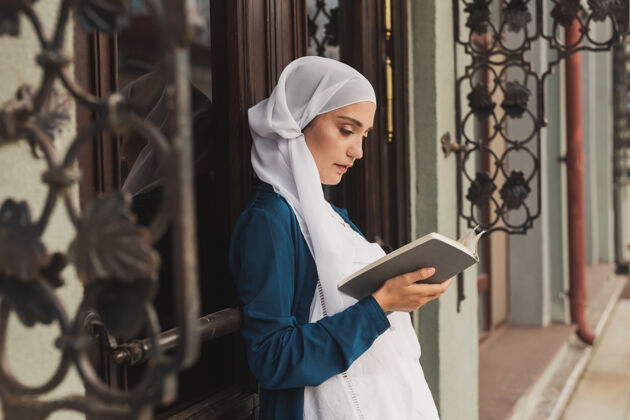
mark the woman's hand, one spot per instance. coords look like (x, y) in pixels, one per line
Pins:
(401, 293)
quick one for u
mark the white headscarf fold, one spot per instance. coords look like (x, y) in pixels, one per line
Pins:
(387, 380)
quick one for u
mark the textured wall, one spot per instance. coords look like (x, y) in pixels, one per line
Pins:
(448, 338)
(604, 151)
(557, 196)
(31, 351)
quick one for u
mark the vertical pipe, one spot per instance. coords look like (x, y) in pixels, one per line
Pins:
(575, 174)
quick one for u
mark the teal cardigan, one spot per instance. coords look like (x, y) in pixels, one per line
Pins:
(276, 277)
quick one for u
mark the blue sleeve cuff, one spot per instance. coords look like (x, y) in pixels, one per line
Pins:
(375, 312)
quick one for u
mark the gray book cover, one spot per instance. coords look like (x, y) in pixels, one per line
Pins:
(447, 256)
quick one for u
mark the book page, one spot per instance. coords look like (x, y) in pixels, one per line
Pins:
(471, 239)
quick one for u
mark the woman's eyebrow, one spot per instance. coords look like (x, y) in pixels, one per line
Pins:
(352, 120)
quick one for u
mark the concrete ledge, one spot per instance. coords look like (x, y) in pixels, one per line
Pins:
(554, 397)
(572, 381)
(531, 372)
(603, 391)
(511, 365)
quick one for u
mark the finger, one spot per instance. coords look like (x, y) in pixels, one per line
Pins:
(425, 273)
(444, 285)
(416, 291)
(438, 288)
(432, 289)
(422, 274)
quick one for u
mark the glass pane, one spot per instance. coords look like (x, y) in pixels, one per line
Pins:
(143, 83)
(323, 33)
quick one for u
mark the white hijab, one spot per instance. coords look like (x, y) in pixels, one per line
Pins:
(387, 380)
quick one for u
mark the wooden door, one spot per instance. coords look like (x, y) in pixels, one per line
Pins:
(370, 36)
(235, 65)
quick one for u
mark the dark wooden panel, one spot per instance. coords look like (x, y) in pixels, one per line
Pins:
(105, 49)
(287, 34)
(252, 42)
(83, 70)
(377, 193)
(95, 64)
(262, 38)
(231, 404)
(399, 168)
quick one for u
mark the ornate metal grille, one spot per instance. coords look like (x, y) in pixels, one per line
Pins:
(323, 32)
(106, 233)
(504, 142)
(621, 94)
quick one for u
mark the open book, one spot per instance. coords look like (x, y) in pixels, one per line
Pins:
(449, 257)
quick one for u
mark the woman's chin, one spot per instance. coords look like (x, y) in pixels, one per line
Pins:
(332, 180)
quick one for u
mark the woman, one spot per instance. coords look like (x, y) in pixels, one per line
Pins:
(316, 353)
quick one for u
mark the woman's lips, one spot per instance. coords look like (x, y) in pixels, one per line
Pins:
(342, 168)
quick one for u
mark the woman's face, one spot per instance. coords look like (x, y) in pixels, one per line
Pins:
(335, 139)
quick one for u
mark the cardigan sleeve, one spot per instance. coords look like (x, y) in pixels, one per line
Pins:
(281, 353)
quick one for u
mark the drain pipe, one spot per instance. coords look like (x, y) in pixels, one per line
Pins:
(575, 174)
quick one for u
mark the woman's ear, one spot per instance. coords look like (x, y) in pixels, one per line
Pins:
(310, 124)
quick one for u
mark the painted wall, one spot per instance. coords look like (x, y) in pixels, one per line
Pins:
(528, 259)
(590, 144)
(603, 146)
(448, 338)
(622, 208)
(598, 200)
(31, 352)
(555, 148)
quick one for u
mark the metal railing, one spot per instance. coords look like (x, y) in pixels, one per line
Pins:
(499, 38)
(106, 232)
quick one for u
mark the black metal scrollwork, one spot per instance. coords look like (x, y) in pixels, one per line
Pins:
(113, 255)
(500, 36)
(621, 95)
(323, 31)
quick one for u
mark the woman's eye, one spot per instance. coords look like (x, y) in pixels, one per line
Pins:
(346, 132)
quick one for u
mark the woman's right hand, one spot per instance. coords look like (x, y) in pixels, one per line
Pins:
(402, 293)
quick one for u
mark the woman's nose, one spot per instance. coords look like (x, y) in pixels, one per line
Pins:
(355, 150)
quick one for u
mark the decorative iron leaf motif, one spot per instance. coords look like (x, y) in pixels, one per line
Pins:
(515, 190)
(51, 272)
(14, 111)
(28, 299)
(601, 9)
(312, 29)
(120, 304)
(515, 100)
(103, 15)
(332, 29)
(565, 12)
(54, 113)
(22, 254)
(478, 16)
(481, 190)
(110, 245)
(10, 18)
(516, 15)
(480, 101)
(24, 264)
